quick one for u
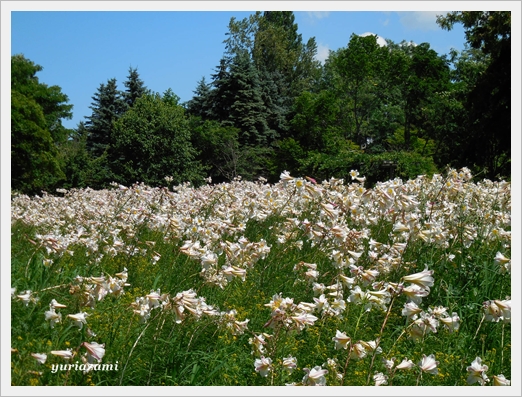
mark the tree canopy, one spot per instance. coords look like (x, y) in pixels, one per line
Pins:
(37, 111)
(399, 109)
(487, 103)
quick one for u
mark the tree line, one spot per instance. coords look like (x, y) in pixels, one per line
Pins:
(394, 110)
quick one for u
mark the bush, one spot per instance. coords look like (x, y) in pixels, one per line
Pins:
(404, 165)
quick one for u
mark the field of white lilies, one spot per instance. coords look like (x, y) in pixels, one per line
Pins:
(248, 283)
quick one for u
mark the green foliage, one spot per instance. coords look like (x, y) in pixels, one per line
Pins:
(271, 106)
(200, 104)
(134, 87)
(484, 29)
(220, 150)
(314, 117)
(357, 73)
(51, 99)
(367, 93)
(80, 168)
(218, 147)
(108, 105)
(405, 165)
(423, 74)
(424, 147)
(247, 111)
(288, 154)
(34, 162)
(36, 129)
(486, 143)
(278, 69)
(287, 64)
(74, 158)
(237, 100)
(152, 141)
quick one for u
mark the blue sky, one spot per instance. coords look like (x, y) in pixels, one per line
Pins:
(175, 49)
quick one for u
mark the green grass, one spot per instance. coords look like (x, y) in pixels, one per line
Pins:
(455, 228)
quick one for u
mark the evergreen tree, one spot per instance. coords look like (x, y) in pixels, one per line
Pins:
(237, 102)
(222, 94)
(247, 112)
(135, 87)
(277, 105)
(286, 65)
(200, 105)
(107, 106)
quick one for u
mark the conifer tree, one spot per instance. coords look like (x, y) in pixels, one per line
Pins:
(247, 111)
(200, 105)
(107, 106)
(221, 95)
(134, 87)
(286, 65)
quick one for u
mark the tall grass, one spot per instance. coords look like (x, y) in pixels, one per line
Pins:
(255, 284)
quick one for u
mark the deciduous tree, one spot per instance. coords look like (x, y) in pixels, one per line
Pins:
(488, 103)
(37, 111)
(151, 141)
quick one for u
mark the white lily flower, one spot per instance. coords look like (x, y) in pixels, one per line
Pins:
(95, 351)
(40, 357)
(79, 319)
(341, 340)
(428, 364)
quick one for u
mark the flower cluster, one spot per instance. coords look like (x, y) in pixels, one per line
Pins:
(497, 310)
(285, 313)
(26, 296)
(238, 258)
(94, 288)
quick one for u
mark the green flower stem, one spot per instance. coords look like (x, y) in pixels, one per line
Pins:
(378, 341)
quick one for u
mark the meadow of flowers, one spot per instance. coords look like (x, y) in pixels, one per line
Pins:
(249, 283)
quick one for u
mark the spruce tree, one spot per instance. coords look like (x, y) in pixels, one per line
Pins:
(286, 65)
(135, 87)
(222, 94)
(107, 106)
(247, 111)
(201, 105)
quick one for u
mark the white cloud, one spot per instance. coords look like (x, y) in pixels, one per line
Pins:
(423, 20)
(322, 53)
(318, 14)
(380, 40)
